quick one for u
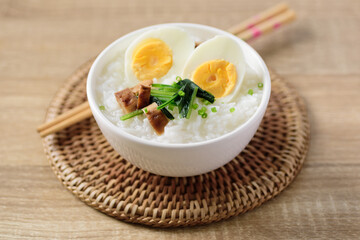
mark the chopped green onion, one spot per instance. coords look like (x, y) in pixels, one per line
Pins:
(178, 78)
(202, 111)
(206, 102)
(232, 109)
(132, 114)
(250, 92)
(145, 110)
(192, 99)
(260, 85)
(213, 109)
(195, 106)
(204, 115)
(181, 93)
(102, 107)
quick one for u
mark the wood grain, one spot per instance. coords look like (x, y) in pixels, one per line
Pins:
(42, 42)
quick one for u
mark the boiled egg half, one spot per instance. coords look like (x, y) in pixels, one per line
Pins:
(158, 54)
(217, 66)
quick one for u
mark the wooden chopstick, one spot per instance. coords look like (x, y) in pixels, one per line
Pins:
(64, 116)
(259, 18)
(251, 28)
(268, 26)
(66, 122)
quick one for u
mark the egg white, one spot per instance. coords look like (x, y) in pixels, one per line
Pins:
(218, 47)
(178, 40)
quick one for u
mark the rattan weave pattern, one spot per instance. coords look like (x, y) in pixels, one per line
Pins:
(87, 165)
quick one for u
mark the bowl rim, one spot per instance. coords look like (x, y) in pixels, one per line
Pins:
(100, 116)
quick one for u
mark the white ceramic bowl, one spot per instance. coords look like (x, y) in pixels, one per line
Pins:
(178, 159)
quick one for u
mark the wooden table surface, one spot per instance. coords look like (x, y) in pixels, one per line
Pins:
(42, 42)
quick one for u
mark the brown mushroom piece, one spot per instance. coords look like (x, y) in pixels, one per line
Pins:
(144, 96)
(127, 100)
(156, 118)
(136, 88)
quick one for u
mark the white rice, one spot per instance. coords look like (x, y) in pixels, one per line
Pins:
(195, 129)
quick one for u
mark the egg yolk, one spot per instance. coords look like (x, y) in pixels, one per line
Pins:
(216, 76)
(152, 58)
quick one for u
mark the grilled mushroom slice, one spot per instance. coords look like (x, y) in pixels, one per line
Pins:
(144, 96)
(136, 88)
(156, 118)
(127, 100)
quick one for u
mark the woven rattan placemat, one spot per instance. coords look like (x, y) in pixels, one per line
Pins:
(88, 166)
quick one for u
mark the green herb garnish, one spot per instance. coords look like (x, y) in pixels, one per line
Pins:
(183, 98)
(132, 114)
(190, 104)
(159, 85)
(260, 85)
(162, 93)
(183, 102)
(250, 92)
(175, 85)
(180, 94)
(204, 115)
(201, 93)
(168, 101)
(232, 109)
(102, 107)
(213, 109)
